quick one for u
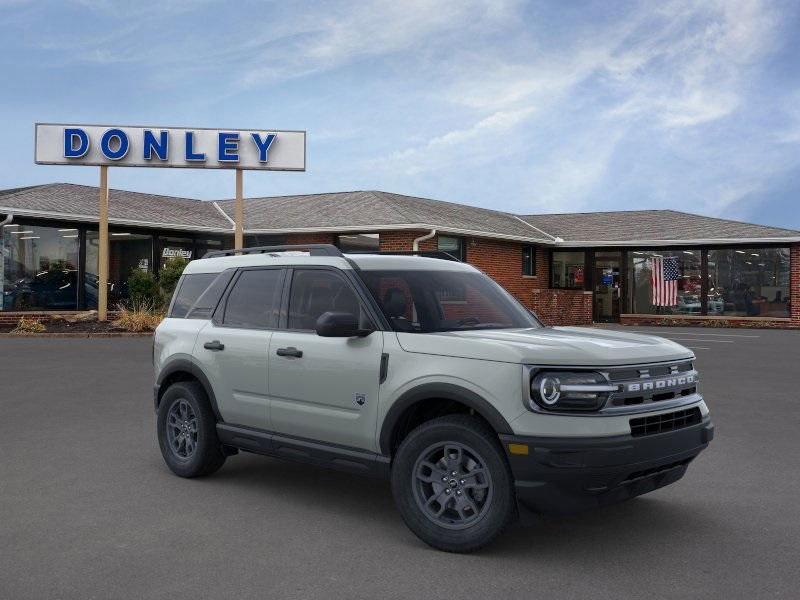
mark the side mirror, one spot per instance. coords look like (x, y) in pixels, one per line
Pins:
(339, 324)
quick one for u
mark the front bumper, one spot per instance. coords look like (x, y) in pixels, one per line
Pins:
(567, 475)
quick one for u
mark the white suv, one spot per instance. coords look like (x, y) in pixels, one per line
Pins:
(422, 370)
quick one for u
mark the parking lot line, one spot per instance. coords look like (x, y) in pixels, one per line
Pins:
(736, 335)
(697, 348)
(702, 340)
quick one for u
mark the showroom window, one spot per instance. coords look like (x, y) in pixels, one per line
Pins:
(568, 270)
(39, 268)
(529, 260)
(748, 282)
(665, 282)
(359, 242)
(128, 251)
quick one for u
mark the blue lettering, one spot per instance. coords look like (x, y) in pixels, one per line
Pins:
(228, 142)
(190, 153)
(263, 145)
(159, 146)
(122, 144)
(70, 137)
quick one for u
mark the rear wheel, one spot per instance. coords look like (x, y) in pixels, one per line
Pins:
(187, 432)
(452, 484)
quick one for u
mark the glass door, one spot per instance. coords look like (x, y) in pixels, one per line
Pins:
(607, 286)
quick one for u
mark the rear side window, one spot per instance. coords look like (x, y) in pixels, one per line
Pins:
(254, 300)
(204, 307)
(189, 290)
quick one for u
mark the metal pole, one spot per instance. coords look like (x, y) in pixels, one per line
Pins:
(102, 255)
(239, 212)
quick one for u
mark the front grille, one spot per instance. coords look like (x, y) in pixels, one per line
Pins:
(652, 383)
(667, 422)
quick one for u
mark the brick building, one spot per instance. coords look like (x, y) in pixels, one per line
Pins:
(569, 268)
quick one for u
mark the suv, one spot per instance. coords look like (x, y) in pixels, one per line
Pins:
(424, 371)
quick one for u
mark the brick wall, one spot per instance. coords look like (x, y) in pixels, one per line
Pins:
(794, 283)
(563, 307)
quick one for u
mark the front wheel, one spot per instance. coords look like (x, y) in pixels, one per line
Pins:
(187, 431)
(452, 484)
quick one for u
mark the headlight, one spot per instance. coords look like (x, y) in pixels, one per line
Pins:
(570, 390)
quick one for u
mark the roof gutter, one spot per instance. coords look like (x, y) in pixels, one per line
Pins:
(685, 242)
(422, 238)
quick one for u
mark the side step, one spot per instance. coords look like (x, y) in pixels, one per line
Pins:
(332, 456)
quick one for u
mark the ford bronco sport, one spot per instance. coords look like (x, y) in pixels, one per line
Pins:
(422, 370)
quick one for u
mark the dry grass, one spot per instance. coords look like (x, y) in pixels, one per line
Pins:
(26, 325)
(138, 317)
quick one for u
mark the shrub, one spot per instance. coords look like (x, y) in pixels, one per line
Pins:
(26, 325)
(139, 317)
(169, 275)
(143, 288)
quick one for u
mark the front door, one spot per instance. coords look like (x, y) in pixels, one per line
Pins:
(324, 388)
(607, 286)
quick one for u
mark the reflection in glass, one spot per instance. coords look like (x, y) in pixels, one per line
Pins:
(646, 296)
(747, 282)
(127, 252)
(39, 268)
(568, 270)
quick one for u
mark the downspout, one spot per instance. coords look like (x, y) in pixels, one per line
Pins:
(7, 220)
(427, 236)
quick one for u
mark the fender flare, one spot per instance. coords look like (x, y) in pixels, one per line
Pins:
(187, 366)
(446, 391)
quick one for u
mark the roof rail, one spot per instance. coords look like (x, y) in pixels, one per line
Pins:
(313, 250)
(441, 254)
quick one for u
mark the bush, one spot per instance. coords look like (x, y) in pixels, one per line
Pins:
(143, 288)
(26, 325)
(141, 316)
(169, 275)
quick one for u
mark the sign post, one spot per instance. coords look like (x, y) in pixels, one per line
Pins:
(175, 147)
(103, 253)
(238, 236)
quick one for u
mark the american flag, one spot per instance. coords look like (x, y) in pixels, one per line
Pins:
(664, 279)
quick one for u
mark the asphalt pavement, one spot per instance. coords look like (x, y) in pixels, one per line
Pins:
(88, 509)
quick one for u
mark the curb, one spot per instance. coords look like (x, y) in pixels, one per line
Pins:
(121, 334)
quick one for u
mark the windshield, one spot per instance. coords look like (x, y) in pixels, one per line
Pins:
(434, 301)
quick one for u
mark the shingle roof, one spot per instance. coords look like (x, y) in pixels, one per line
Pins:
(650, 225)
(375, 210)
(72, 201)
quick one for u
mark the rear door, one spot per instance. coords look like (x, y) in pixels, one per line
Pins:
(232, 348)
(322, 388)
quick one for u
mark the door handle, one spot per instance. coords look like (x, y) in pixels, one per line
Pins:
(290, 351)
(215, 345)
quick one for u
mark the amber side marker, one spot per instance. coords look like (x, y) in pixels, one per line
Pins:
(518, 449)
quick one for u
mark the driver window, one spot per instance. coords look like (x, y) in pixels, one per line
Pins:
(317, 291)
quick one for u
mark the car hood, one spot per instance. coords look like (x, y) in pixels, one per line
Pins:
(575, 346)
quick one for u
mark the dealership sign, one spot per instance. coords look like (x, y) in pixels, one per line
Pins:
(193, 148)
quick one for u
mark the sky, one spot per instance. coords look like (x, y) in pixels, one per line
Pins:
(529, 107)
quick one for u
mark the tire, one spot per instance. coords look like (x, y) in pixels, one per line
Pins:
(187, 432)
(480, 502)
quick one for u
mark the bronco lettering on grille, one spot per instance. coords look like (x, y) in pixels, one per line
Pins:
(660, 384)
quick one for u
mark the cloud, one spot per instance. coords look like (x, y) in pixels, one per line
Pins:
(463, 146)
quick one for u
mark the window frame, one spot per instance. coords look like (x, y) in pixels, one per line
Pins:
(533, 260)
(461, 256)
(588, 261)
(218, 318)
